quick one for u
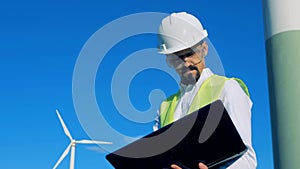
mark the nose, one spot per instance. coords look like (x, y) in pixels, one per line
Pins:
(186, 62)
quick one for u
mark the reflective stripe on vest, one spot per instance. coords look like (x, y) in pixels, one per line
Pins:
(209, 92)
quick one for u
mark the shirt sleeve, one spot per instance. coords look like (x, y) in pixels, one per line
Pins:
(156, 125)
(238, 106)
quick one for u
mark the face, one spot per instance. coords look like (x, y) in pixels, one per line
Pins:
(189, 63)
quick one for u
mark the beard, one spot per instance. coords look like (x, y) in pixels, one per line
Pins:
(187, 77)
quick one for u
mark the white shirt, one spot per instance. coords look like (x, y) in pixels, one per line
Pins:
(238, 106)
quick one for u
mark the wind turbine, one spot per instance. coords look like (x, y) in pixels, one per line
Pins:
(72, 144)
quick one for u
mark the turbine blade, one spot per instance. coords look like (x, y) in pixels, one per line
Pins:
(64, 154)
(64, 125)
(92, 142)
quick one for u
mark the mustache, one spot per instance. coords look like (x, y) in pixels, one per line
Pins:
(184, 69)
(193, 67)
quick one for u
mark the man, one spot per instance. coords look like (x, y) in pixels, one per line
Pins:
(183, 41)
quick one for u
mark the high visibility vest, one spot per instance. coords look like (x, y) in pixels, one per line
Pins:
(209, 92)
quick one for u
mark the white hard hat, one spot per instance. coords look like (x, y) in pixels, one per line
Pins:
(179, 31)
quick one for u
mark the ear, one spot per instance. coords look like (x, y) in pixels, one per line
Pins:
(204, 48)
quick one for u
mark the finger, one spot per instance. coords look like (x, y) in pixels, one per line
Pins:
(202, 166)
(175, 166)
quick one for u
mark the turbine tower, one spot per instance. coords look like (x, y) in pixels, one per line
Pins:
(72, 144)
(282, 35)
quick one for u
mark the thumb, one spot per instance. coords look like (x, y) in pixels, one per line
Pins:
(202, 166)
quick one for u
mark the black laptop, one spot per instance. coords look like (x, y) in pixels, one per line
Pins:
(206, 135)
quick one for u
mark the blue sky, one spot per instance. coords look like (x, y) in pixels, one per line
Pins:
(40, 43)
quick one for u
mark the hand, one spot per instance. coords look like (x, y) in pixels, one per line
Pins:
(201, 166)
